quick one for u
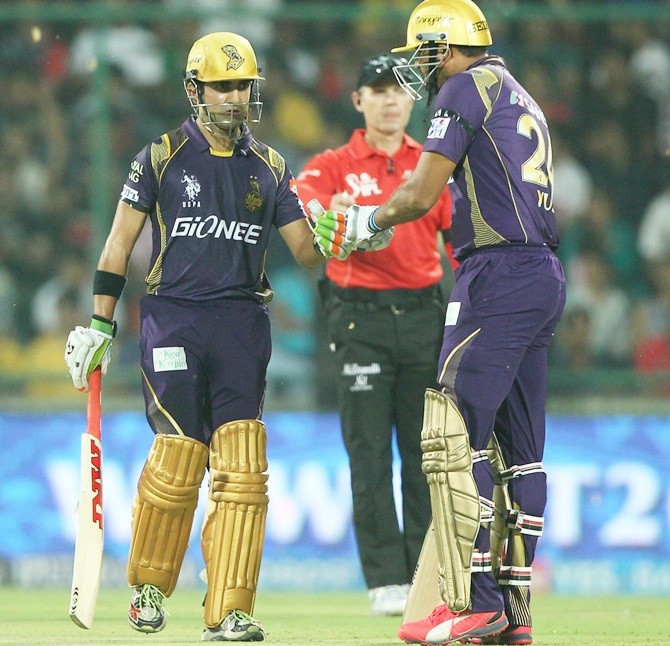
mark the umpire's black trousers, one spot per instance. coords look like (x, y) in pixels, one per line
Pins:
(386, 346)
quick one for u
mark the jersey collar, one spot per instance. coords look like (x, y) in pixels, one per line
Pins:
(488, 60)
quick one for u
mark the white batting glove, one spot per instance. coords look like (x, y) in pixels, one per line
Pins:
(361, 231)
(86, 349)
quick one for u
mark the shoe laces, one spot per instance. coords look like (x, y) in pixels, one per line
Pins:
(242, 616)
(441, 613)
(151, 597)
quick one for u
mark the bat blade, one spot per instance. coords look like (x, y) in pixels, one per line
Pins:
(424, 594)
(90, 536)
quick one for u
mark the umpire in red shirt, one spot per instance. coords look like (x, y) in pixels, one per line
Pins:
(385, 323)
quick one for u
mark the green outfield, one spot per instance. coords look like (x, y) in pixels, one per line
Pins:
(30, 616)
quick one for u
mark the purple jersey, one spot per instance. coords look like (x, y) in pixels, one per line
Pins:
(211, 213)
(497, 135)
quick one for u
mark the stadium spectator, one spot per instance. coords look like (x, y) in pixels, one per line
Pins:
(609, 310)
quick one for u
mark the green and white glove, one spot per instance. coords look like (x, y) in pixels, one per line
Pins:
(87, 348)
(329, 228)
(361, 231)
(329, 235)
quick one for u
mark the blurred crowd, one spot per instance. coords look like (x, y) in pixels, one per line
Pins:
(604, 87)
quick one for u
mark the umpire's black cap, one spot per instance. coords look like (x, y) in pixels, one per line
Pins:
(380, 69)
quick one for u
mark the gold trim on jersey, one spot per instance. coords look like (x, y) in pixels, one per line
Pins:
(274, 160)
(221, 153)
(484, 233)
(161, 155)
(153, 279)
(509, 183)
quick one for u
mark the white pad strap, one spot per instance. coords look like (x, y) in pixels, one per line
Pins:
(514, 575)
(481, 562)
(525, 523)
(522, 470)
(487, 510)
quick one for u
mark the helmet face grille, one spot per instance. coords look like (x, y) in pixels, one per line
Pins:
(225, 119)
(422, 66)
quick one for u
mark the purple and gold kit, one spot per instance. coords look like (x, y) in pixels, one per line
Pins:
(487, 122)
(211, 213)
(507, 299)
(205, 331)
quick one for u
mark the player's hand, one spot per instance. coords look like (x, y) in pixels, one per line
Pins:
(361, 232)
(329, 235)
(87, 348)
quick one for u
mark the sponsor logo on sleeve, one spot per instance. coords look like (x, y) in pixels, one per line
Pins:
(438, 127)
(130, 194)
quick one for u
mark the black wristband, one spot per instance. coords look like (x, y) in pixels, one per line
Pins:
(108, 284)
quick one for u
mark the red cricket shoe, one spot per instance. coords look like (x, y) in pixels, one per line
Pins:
(512, 635)
(445, 627)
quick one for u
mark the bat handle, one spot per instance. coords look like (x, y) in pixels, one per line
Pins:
(93, 410)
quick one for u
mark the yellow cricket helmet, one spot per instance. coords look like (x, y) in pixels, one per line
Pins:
(454, 22)
(222, 56)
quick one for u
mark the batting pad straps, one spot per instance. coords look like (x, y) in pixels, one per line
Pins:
(447, 463)
(234, 529)
(167, 495)
(514, 575)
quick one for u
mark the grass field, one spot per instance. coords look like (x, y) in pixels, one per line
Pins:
(30, 616)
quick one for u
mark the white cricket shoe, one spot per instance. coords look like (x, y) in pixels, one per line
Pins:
(388, 599)
(237, 626)
(146, 613)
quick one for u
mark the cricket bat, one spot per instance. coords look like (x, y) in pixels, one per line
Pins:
(424, 594)
(89, 542)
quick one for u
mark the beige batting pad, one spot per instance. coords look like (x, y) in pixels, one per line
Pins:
(447, 463)
(167, 495)
(234, 529)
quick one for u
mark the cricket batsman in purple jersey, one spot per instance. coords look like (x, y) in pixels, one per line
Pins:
(484, 431)
(212, 193)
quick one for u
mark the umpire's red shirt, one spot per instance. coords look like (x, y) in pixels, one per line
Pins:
(412, 260)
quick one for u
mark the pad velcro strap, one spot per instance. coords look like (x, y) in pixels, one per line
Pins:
(523, 470)
(525, 523)
(514, 575)
(481, 562)
(479, 456)
(487, 510)
(106, 283)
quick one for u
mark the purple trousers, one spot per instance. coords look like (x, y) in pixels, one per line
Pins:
(203, 364)
(502, 314)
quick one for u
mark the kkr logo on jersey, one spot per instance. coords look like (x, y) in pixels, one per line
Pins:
(190, 227)
(438, 127)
